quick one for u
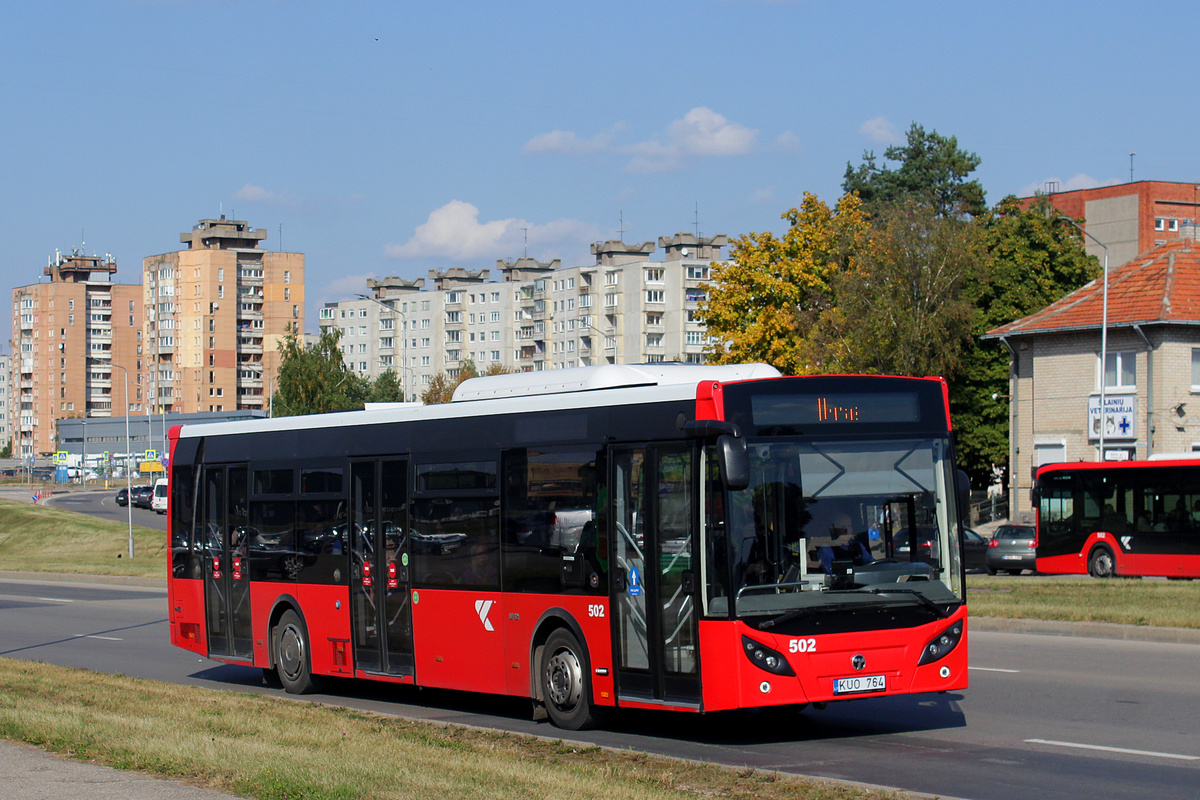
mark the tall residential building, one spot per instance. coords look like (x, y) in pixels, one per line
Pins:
(5, 423)
(67, 336)
(215, 314)
(624, 309)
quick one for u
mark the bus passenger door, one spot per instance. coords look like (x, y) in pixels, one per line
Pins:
(654, 537)
(223, 533)
(379, 589)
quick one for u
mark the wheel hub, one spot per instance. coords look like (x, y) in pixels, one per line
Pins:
(564, 679)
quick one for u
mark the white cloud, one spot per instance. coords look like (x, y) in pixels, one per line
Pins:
(881, 130)
(766, 195)
(258, 194)
(701, 132)
(787, 141)
(455, 232)
(569, 143)
(704, 132)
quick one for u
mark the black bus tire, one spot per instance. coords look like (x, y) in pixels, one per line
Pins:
(1101, 563)
(566, 684)
(293, 664)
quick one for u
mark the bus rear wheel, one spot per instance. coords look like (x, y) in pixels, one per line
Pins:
(565, 684)
(1101, 563)
(293, 664)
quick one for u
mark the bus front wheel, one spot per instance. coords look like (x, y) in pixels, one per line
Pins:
(292, 661)
(565, 683)
(1101, 563)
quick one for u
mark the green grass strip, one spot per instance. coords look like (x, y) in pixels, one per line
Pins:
(278, 749)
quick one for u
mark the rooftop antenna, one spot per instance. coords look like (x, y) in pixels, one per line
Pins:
(621, 226)
(1131, 155)
(525, 252)
(697, 221)
(281, 237)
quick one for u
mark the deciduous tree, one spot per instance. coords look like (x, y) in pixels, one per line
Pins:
(763, 303)
(903, 307)
(315, 379)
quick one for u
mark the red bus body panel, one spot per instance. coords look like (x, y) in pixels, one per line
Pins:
(482, 641)
(818, 660)
(325, 610)
(185, 613)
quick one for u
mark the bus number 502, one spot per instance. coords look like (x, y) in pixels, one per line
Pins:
(802, 646)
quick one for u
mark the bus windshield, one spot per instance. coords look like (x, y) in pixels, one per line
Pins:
(847, 522)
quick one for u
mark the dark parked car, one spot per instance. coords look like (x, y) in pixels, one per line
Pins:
(142, 496)
(925, 548)
(1012, 549)
(975, 549)
(123, 497)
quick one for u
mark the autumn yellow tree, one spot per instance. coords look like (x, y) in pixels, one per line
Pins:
(765, 302)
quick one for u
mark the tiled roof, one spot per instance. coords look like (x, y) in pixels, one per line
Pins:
(1161, 285)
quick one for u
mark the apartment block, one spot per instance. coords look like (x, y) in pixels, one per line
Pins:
(215, 314)
(69, 336)
(625, 308)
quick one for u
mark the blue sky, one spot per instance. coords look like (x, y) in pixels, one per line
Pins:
(392, 138)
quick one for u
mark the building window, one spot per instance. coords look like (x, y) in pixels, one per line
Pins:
(654, 276)
(1196, 369)
(655, 296)
(1172, 224)
(1160, 224)
(1120, 371)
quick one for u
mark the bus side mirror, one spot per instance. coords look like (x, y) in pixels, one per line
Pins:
(963, 485)
(733, 462)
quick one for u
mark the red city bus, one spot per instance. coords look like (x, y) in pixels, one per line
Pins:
(1125, 518)
(695, 538)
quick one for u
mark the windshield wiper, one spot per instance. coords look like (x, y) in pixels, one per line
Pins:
(925, 601)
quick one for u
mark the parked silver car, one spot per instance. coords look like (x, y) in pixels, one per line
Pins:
(1012, 549)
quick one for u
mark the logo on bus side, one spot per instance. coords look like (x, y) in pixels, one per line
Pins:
(482, 607)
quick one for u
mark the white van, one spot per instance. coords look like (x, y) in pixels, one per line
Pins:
(159, 501)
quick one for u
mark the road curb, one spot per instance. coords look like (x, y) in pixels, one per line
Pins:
(85, 579)
(1093, 630)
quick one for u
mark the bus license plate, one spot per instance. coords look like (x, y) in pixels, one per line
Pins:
(860, 683)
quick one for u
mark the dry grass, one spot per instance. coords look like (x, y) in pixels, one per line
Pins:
(272, 748)
(1128, 601)
(41, 539)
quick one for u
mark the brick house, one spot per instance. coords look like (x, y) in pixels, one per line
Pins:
(1152, 374)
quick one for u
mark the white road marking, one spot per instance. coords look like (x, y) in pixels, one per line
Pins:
(1125, 750)
(54, 600)
(93, 636)
(993, 669)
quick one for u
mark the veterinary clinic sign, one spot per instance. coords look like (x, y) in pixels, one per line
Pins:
(1117, 417)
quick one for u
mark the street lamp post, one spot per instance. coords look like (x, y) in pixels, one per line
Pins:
(1103, 331)
(128, 447)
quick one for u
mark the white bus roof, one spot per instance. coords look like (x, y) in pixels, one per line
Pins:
(612, 385)
(605, 376)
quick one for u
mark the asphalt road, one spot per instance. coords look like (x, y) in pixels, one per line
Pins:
(102, 503)
(1046, 716)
